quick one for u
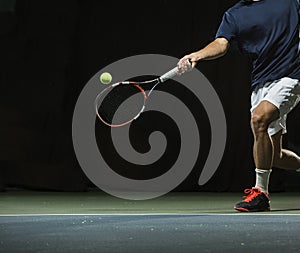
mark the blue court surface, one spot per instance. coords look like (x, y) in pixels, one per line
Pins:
(150, 233)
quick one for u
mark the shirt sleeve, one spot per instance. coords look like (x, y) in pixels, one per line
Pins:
(228, 28)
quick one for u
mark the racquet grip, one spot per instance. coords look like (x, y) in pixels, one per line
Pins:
(168, 75)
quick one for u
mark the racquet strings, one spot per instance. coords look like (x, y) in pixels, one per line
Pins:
(120, 104)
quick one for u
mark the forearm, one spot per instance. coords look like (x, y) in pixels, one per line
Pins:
(214, 50)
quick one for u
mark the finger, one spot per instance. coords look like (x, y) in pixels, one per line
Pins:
(194, 63)
(181, 62)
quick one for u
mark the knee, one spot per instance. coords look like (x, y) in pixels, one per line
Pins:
(259, 122)
(262, 116)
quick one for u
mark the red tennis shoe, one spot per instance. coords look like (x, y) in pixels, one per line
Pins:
(254, 201)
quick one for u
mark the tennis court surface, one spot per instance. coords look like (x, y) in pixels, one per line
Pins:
(176, 222)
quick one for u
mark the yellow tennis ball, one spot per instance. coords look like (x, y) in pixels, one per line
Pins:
(105, 78)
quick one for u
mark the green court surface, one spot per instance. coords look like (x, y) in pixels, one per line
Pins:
(96, 202)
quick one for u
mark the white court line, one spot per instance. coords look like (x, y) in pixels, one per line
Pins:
(154, 214)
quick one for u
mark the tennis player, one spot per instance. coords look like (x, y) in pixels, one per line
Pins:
(267, 31)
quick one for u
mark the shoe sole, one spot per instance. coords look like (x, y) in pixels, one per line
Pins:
(240, 209)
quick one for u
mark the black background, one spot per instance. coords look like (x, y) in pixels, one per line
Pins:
(49, 50)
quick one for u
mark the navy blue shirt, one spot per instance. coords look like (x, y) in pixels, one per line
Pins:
(268, 32)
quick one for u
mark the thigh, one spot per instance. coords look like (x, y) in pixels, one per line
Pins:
(267, 111)
(284, 94)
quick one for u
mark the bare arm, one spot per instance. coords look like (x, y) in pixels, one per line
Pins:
(214, 50)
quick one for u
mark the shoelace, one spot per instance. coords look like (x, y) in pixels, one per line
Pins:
(251, 194)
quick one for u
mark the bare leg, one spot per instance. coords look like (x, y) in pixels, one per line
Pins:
(283, 158)
(263, 150)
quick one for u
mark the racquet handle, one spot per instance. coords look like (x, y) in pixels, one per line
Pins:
(168, 75)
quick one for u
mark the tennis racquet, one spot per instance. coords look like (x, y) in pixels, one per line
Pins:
(108, 102)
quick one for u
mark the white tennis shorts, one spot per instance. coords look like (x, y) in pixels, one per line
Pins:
(283, 93)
